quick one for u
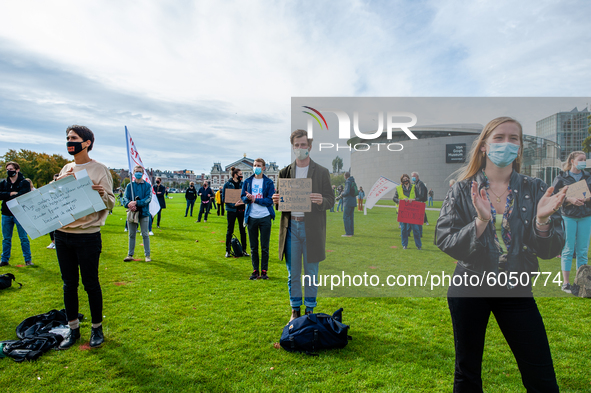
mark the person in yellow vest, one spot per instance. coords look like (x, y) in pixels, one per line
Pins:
(218, 201)
(406, 190)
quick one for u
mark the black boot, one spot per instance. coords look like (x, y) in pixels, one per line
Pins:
(71, 340)
(97, 338)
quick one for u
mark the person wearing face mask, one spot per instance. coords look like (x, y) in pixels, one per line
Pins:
(206, 194)
(406, 190)
(190, 196)
(576, 213)
(235, 212)
(257, 195)
(496, 223)
(302, 235)
(422, 196)
(12, 187)
(78, 245)
(160, 191)
(138, 195)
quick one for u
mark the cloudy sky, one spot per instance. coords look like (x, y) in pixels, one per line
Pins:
(198, 82)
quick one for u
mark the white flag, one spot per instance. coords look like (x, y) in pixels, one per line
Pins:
(379, 189)
(133, 159)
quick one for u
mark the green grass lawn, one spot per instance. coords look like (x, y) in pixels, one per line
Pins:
(190, 320)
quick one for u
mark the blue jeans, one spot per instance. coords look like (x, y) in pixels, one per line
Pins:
(577, 233)
(190, 203)
(295, 251)
(349, 220)
(8, 223)
(430, 201)
(340, 205)
(405, 232)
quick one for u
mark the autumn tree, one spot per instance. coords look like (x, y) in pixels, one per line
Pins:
(39, 167)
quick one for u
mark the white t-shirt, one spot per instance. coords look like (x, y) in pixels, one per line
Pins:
(258, 211)
(301, 173)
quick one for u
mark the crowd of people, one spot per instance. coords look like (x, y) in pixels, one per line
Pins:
(493, 219)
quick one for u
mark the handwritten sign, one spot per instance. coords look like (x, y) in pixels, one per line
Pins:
(232, 196)
(295, 195)
(56, 204)
(411, 212)
(380, 188)
(578, 190)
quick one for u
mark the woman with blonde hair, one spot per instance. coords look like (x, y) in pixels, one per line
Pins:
(576, 213)
(496, 222)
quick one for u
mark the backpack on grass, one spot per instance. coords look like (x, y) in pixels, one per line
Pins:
(237, 250)
(7, 279)
(313, 332)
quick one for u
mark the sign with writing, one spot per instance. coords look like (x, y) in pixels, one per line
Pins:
(295, 195)
(578, 190)
(56, 204)
(411, 212)
(231, 195)
(455, 153)
(380, 188)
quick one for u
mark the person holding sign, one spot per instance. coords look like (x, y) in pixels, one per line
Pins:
(257, 195)
(12, 187)
(496, 222)
(406, 190)
(302, 235)
(576, 213)
(235, 210)
(138, 195)
(78, 244)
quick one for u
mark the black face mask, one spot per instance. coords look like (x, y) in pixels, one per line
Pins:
(10, 173)
(240, 178)
(74, 147)
(157, 182)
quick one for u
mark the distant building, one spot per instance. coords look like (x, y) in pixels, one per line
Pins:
(567, 129)
(220, 175)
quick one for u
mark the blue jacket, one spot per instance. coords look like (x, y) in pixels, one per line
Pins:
(266, 200)
(349, 200)
(142, 190)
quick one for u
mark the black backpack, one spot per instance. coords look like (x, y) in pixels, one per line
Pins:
(313, 332)
(237, 250)
(7, 279)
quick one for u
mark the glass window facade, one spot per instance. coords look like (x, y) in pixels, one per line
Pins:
(567, 129)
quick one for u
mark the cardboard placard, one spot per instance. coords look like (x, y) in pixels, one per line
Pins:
(411, 212)
(578, 190)
(232, 196)
(56, 204)
(294, 195)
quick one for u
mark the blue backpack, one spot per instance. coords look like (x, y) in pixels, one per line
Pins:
(313, 332)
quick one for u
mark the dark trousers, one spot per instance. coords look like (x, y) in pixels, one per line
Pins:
(264, 226)
(221, 206)
(158, 219)
(232, 217)
(204, 208)
(523, 328)
(348, 219)
(190, 203)
(80, 251)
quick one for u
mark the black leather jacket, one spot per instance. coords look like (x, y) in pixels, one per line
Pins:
(21, 186)
(570, 210)
(455, 233)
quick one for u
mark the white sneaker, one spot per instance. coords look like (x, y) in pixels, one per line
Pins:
(51, 246)
(125, 230)
(151, 233)
(566, 287)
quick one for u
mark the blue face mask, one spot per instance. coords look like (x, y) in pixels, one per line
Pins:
(258, 171)
(414, 179)
(582, 165)
(503, 154)
(138, 175)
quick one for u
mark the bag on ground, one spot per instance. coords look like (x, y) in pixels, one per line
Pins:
(583, 281)
(313, 332)
(7, 279)
(237, 250)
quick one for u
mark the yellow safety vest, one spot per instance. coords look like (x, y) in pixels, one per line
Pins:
(401, 195)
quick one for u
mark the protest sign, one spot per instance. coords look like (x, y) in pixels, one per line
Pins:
(232, 196)
(411, 212)
(295, 195)
(579, 190)
(380, 188)
(56, 204)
